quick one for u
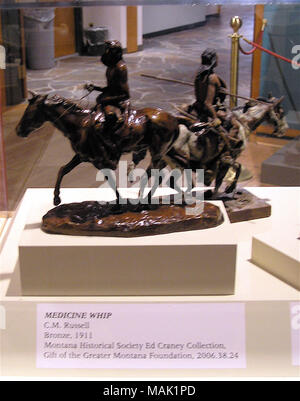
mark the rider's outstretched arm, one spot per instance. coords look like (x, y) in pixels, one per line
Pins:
(91, 87)
(98, 88)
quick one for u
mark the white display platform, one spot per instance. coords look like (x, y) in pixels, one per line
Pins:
(2, 224)
(199, 262)
(278, 252)
(267, 304)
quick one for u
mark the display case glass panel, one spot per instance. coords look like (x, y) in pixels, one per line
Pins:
(53, 48)
(282, 37)
(160, 38)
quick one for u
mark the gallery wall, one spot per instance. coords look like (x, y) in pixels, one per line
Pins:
(114, 18)
(150, 19)
(159, 18)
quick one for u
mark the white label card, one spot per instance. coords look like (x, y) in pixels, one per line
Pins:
(148, 335)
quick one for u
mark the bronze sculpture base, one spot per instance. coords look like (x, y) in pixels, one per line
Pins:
(95, 219)
(243, 205)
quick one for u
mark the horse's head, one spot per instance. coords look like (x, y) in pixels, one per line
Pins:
(276, 115)
(33, 117)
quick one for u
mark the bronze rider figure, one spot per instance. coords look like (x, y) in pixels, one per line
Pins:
(114, 98)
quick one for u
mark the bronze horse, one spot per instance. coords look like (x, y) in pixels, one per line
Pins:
(216, 152)
(91, 139)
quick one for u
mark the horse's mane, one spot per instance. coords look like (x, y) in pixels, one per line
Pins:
(251, 104)
(265, 99)
(66, 103)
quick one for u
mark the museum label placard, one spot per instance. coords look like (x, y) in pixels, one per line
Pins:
(141, 335)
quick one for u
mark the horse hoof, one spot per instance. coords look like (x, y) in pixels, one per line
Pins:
(152, 206)
(117, 209)
(229, 190)
(130, 178)
(208, 194)
(57, 200)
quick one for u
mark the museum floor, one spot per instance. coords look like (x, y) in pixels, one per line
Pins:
(34, 162)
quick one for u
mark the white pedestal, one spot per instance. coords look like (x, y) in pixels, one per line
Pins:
(267, 303)
(278, 252)
(198, 262)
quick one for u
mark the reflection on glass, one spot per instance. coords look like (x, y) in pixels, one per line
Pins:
(282, 36)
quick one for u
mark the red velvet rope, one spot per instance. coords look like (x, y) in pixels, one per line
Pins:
(257, 46)
(259, 40)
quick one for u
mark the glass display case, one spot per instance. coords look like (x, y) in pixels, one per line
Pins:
(282, 38)
(47, 51)
(53, 49)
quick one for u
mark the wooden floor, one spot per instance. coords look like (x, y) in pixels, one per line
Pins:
(35, 161)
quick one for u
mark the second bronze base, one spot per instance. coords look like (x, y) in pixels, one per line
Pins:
(243, 205)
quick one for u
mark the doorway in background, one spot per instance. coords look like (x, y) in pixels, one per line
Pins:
(64, 32)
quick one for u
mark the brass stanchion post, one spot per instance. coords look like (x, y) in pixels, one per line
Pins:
(235, 22)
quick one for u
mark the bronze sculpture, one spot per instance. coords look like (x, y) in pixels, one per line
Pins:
(164, 135)
(111, 128)
(220, 133)
(147, 128)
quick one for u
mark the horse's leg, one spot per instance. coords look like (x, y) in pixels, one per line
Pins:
(136, 158)
(237, 167)
(61, 173)
(225, 163)
(159, 164)
(143, 183)
(222, 169)
(112, 182)
(156, 164)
